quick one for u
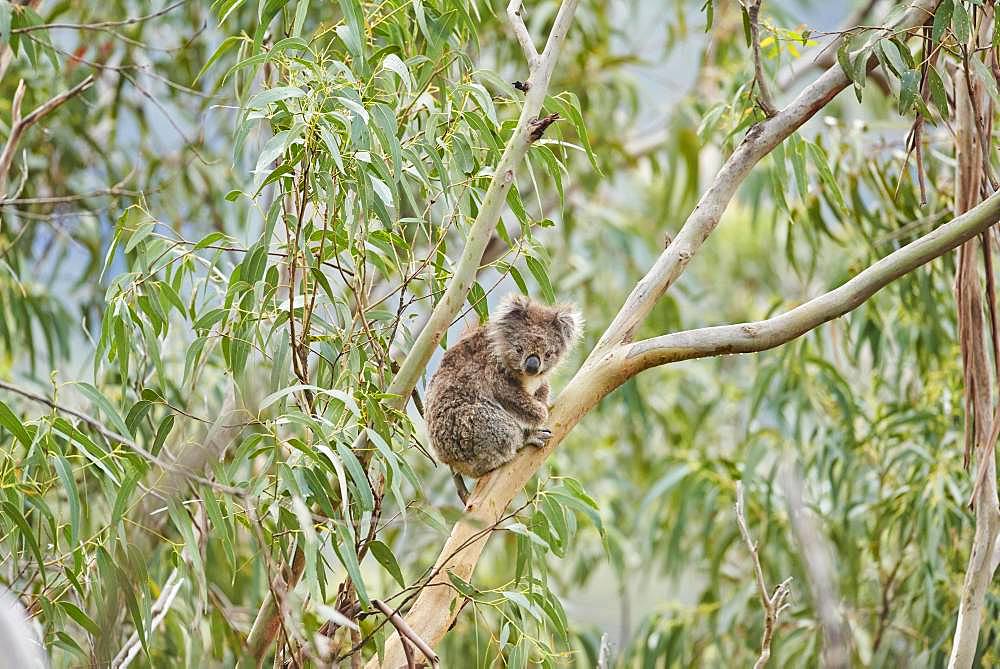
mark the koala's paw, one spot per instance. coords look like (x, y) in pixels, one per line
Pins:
(537, 437)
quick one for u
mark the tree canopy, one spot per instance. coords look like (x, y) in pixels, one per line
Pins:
(235, 238)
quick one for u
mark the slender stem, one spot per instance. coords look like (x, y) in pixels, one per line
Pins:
(773, 604)
(113, 436)
(406, 631)
(521, 32)
(20, 125)
(764, 99)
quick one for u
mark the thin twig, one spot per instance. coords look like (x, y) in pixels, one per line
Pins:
(406, 631)
(100, 25)
(159, 610)
(20, 125)
(774, 603)
(764, 99)
(113, 436)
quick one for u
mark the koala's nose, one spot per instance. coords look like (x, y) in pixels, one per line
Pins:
(532, 364)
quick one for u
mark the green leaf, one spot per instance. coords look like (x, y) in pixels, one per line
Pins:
(354, 32)
(570, 108)
(332, 145)
(5, 11)
(14, 513)
(394, 63)
(275, 147)
(357, 472)
(344, 548)
(211, 239)
(942, 19)
(961, 23)
(522, 603)
(844, 59)
(109, 411)
(477, 298)
(385, 557)
(820, 160)
(463, 587)
(301, 11)
(939, 96)
(162, 430)
(984, 75)
(908, 93)
(226, 45)
(65, 473)
(272, 95)
(81, 618)
(12, 424)
(101, 458)
(538, 270)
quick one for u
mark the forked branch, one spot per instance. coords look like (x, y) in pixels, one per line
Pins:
(435, 609)
(21, 125)
(773, 603)
(766, 334)
(759, 141)
(764, 99)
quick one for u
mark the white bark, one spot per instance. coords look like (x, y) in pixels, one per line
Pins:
(763, 335)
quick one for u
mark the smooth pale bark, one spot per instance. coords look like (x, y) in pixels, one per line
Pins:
(766, 334)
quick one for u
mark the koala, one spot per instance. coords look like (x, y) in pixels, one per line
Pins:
(489, 397)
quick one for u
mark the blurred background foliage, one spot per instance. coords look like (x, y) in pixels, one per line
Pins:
(262, 201)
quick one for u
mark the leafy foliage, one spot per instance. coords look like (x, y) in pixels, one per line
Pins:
(213, 261)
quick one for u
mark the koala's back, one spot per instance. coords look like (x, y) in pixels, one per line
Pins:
(461, 378)
(469, 430)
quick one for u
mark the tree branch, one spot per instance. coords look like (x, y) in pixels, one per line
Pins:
(774, 603)
(758, 142)
(521, 32)
(981, 420)
(100, 25)
(20, 125)
(482, 230)
(114, 437)
(489, 211)
(766, 334)
(159, 611)
(764, 99)
(404, 629)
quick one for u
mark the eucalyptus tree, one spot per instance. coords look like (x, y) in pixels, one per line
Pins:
(242, 232)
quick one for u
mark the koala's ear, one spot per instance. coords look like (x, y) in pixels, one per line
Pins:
(570, 323)
(514, 305)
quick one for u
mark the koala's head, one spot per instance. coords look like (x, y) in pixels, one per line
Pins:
(532, 338)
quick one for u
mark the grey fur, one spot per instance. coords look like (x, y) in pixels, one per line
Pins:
(482, 404)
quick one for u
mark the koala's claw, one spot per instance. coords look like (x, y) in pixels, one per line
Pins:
(537, 438)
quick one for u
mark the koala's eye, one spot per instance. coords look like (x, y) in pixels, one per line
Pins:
(518, 350)
(548, 355)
